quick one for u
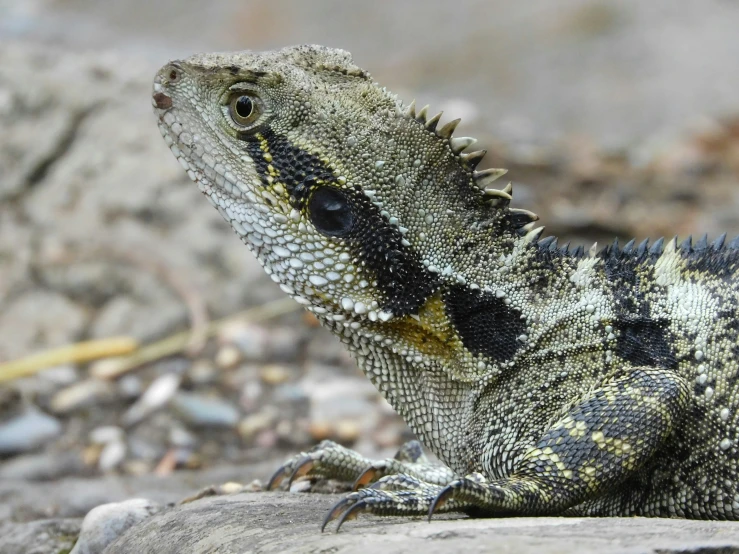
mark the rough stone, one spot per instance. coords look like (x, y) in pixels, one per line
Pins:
(284, 522)
(23, 330)
(45, 536)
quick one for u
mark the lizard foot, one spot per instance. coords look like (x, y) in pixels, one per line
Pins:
(393, 495)
(329, 460)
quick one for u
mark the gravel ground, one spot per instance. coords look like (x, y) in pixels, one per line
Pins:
(102, 235)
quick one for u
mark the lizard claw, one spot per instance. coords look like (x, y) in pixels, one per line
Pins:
(277, 478)
(291, 470)
(338, 509)
(365, 478)
(352, 513)
(440, 500)
(302, 468)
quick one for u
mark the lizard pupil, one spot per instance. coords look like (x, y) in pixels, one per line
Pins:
(244, 107)
(330, 212)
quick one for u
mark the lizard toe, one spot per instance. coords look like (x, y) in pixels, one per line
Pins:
(302, 468)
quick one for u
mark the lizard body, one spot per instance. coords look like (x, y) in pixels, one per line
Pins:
(549, 380)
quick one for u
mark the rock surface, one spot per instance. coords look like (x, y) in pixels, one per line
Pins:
(283, 522)
(45, 536)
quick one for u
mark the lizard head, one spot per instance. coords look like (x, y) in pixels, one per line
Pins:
(358, 206)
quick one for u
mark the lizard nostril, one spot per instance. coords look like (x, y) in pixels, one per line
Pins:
(162, 101)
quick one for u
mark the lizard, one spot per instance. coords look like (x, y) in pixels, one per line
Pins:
(548, 380)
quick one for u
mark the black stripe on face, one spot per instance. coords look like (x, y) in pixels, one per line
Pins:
(485, 323)
(299, 171)
(403, 280)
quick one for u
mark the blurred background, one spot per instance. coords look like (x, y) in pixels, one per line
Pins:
(615, 119)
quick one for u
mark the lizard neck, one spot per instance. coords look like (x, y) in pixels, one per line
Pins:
(467, 332)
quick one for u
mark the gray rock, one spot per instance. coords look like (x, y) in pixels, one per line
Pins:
(28, 431)
(284, 522)
(129, 386)
(42, 467)
(341, 398)
(146, 320)
(250, 339)
(182, 438)
(36, 320)
(46, 536)
(73, 497)
(200, 410)
(103, 524)
(285, 344)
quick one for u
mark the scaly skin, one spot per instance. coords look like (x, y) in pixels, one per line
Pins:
(548, 380)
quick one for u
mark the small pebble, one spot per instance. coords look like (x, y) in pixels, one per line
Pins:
(82, 394)
(320, 430)
(284, 344)
(91, 454)
(251, 393)
(300, 485)
(228, 357)
(137, 467)
(182, 438)
(254, 423)
(111, 456)
(203, 372)
(60, 375)
(143, 446)
(27, 431)
(130, 386)
(251, 340)
(255, 486)
(106, 434)
(105, 523)
(266, 439)
(231, 488)
(284, 429)
(197, 409)
(274, 374)
(159, 392)
(347, 430)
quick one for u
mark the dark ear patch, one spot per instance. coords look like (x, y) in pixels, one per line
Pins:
(485, 323)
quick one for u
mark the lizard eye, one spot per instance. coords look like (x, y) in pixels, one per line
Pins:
(244, 110)
(331, 212)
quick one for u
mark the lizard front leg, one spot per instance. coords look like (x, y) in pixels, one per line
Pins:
(597, 442)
